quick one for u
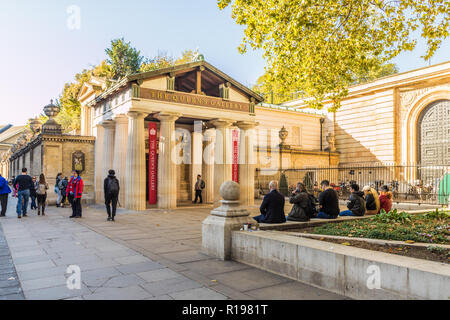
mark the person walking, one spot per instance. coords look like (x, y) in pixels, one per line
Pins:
(199, 186)
(4, 193)
(41, 191)
(57, 190)
(75, 192)
(62, 185)
(24, 184)
(33, 194)
(111, 188)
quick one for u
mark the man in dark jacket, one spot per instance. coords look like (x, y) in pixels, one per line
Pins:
(356, 204)
(23, 192)
(4, 192)
(300, 199)
(328, 202)
(111, 188)
(272, 207)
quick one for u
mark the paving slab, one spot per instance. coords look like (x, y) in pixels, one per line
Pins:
(163, 287)
(129, 293)
(249, 279)
(292, 291)
(198, 294)
(159, 274)
(139, 267)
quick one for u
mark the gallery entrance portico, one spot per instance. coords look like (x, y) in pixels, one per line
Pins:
(159, 130)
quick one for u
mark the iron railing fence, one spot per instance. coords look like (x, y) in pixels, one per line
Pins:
(408, 183)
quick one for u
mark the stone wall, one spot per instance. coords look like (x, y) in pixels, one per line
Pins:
(52, 154)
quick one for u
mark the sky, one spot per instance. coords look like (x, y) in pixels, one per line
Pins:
(43, 47)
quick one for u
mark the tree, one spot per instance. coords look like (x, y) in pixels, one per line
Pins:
(163, 60)
(123, 58)
(273, 91)
(318, 46)
(70, 110)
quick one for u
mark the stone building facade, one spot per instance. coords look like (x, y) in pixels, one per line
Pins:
(399, 119)
(50, 152)
(197, 114)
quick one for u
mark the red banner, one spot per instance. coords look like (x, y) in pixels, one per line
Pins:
(152, 163)
(235, 165)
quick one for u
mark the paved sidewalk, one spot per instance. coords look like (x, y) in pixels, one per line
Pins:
(150, 255)
(9, 284)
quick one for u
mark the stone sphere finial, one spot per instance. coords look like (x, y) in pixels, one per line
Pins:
(230, 191)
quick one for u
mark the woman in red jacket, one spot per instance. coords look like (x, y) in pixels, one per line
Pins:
(385, 199)
(74, 193)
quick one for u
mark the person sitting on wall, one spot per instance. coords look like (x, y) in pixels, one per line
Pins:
(372, 200)
(385, 199)
(356, 204)
(300, 199)
(272, 207)
(328, 202)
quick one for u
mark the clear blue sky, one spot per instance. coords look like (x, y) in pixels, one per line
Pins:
(40, 53)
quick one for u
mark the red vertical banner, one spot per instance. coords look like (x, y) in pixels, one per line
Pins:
(235, 146)
(152, 163)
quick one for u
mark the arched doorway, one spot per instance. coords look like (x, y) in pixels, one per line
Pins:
(434, 134)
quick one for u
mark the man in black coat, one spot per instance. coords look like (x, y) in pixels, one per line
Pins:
(356, 204)
(111, 188)
(272, 207)
(328, 202)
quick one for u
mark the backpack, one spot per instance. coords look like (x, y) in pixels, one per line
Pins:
(113, 186)
(312, 206)
(42, 189)
(62, 185)
(202, 185)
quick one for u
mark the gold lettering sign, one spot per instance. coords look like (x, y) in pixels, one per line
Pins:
(192, 99)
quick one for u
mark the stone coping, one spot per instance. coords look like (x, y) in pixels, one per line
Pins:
(375, 256)
(369, 240)
(342, 269)
(316, 222)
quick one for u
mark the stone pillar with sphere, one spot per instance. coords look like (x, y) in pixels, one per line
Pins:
(230, 216)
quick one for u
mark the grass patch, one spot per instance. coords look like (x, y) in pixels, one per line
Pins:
(432, 227)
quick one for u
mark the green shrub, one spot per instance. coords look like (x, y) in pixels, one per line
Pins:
(393, 216)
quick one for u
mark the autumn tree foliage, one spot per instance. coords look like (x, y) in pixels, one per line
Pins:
(320, 47)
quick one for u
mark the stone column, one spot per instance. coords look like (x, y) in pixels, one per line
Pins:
(99, 198)
(208, 165)
(108, 146)
(120, 153)
(135, 173)
(247, 162)
(222, 155)
(196, 155)
(167, 174)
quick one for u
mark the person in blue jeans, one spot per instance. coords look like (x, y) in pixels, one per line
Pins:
(356, 204)
(25, 183)
(4, 193)
(328, 202)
